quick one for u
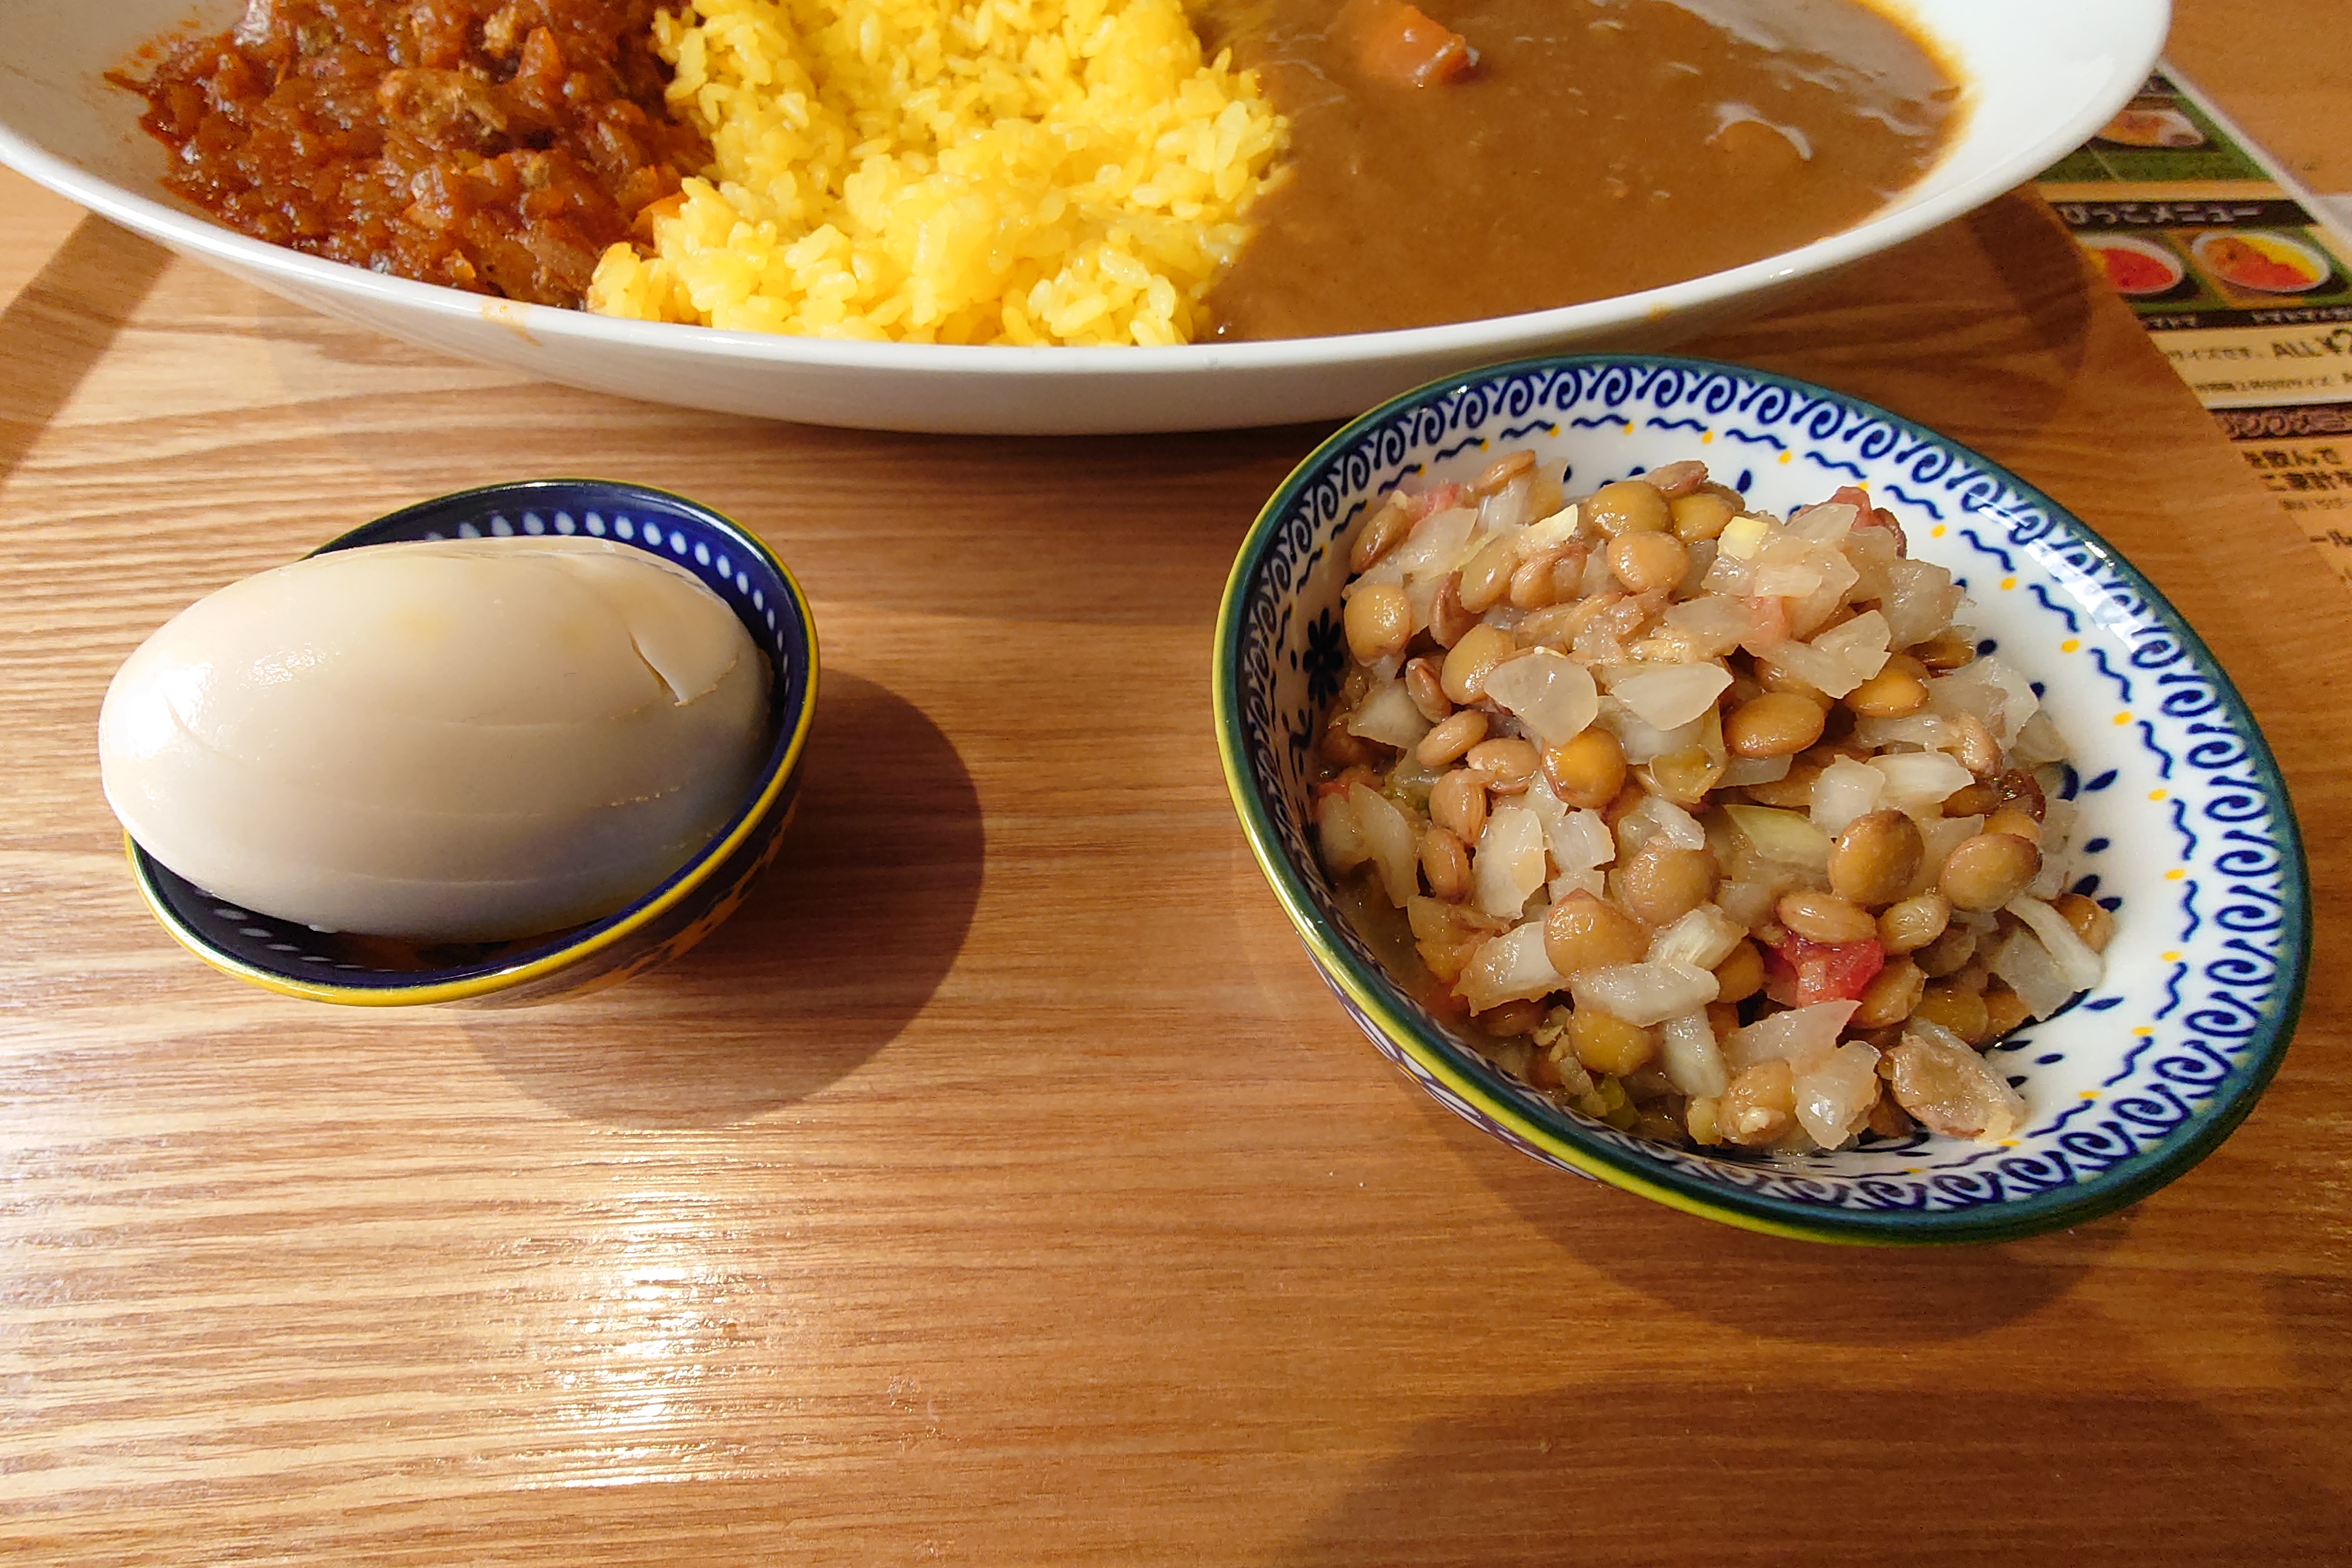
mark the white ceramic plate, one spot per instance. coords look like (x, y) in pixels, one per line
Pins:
(2042, 77)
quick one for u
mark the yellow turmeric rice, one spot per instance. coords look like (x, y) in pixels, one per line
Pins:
(1032, 172)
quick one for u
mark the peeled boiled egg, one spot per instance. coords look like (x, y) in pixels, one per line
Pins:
(452, 741)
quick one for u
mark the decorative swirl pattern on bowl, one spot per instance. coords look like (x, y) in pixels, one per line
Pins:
(2185, 822)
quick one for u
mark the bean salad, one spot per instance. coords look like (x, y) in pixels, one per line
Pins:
(1710, 825)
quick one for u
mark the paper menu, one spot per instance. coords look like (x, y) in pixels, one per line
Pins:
(2241, 279)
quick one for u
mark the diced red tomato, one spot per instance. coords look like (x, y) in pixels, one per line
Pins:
(1396, 42)
(1798, 973)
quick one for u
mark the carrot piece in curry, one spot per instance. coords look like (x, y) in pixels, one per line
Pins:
(1395, 42)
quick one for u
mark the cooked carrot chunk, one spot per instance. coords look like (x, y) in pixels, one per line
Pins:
(1394, 41)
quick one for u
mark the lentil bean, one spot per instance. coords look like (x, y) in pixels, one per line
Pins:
(1722, 1017)
(1470, 659)
(1445, 866)
(2021, 789)
(1511, 1018)
(1959, 1009)
(1427, 691)
(1450, 739)
(1567, 573)
(1777, 724)
(1876, 858)
(1379, 621)
(1586, 772)
(1888, 1117)
(1506, 765)
(2004, 1011)
(1383, 533)
(1582, 932)
(1987, 871)
(1605, 1043)
(1488, 576)
(1457, 803)
(1741, 974)
(1659, 883)
(1913, 923)
(2090, 920)
(1948, 953)
(1759, 1106)
(1974, 746)
(1554, 627)
(1946, 650)
(1533, 587)
(1792, 791)
(1629, 506)
(1702, 514)
(1889, 694)
(1676, 479)
(1626, 800)
(1824, 917)
(1698, 1120)
(1502, 471)
(1449, 621)
(1684, 777)
(1979, 799)
(1891, 995)
(1647, 561)
(2016, 824)
(1772, 678)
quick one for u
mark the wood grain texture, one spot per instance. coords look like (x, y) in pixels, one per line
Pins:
(2283, 70)
(1001, 1185)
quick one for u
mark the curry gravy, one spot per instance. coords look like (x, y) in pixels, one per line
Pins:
(1596, 148)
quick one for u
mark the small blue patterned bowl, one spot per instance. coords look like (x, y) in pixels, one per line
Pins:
(2185, 824)
(371, 972)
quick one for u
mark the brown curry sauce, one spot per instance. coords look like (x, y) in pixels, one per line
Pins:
(1595, 148)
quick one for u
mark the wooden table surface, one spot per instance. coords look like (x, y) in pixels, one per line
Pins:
(1001, 1185)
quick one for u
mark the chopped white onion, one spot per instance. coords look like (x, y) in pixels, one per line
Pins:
(1834, 674)
(1549, 692)
(1702, 938)
(1711, 625)
(1387, 715)
(1642, 742)
(1548, 533)
(2082, 966)
(1918, 603)
(1835, 1094)
(2026, 965)
(1844, 791)
(1658, 818)
(1509, 864)
(1643, 993)
(1339, 836)
(1689, 1055)
(1938, 837)
(1755, 769)
(1827, 523)
(2038, 742)
(1670, 697)
(1916, 781)
(1860, 643)
(1390, 838)
(1782, 836)
(1436, 543)
(1513, 967)
(1787, 581)
(1796, 1037)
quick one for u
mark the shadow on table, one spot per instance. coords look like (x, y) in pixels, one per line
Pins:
(62, 322)
(1862, 1297)
(841, 943)
(1673, 1471)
